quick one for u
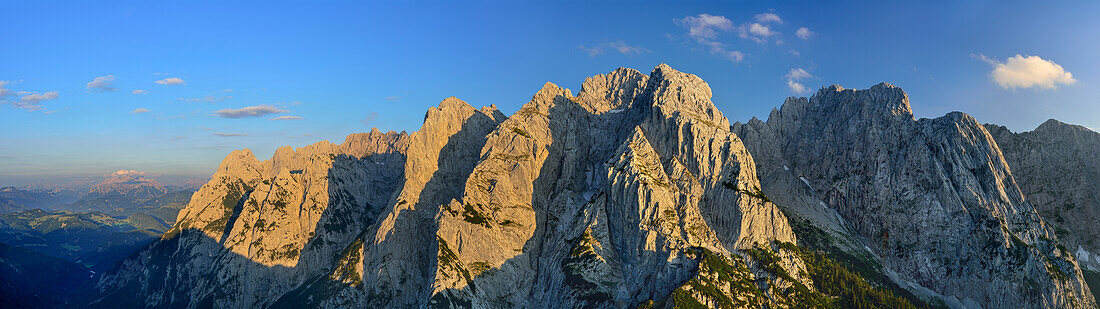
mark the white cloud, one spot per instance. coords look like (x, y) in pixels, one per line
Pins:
(797, 87)
(249, 111)
(286, 118)
(619, 46)
(139, 91)
(28, 100)
(1027, 72)
(171, 81)
(731, 55)
(793, 80)
(804, 33)
(798, 73)
(705, 26)
(207, 99)
(140, 110)
(592, 51)
(768, 18)
(395, 98)
(229, 134)
(4, 91)
(755, 31)
(32, 100)
(102, 83)
(704, 29)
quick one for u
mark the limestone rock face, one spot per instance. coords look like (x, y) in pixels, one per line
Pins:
(933, 197)
(636, 191)
(1057, 166)
(259, 229)
(600, 199)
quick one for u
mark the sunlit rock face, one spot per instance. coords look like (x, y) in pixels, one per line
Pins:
(934, 198)
(1057, 166)
(634, 191)
(258, 229)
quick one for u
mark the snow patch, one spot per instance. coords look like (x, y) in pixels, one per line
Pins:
(785, 168)
(807, 182)
(615, 111)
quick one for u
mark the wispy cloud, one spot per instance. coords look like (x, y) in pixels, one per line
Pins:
(804, 33)
(229, 134)
(794, 78)
(31, 101)
(140, 110)
(249, 111)
(768, 18)
(395, 98)
(102, 84)
(139, 91)
(206, 99)
(1027, 72)
(370, 119)
(618, 46)
(704, 28)
(286, 118)
(171, 81)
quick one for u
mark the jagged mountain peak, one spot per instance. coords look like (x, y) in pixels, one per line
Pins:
(673, 91)
(882, 99)
(911, 188)
(1053, 125)
(129, 183)
(612, 91)
(635, 191)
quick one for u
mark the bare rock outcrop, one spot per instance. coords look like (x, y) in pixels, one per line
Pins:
(1057, 167)
(636, 191)
(934, 198)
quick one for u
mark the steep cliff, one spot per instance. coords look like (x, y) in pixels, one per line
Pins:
(605, 198)
(1057, 167)
(636, 191)
(934, 198)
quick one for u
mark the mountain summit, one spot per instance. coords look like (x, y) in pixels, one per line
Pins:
(636, 191)
(131, 184)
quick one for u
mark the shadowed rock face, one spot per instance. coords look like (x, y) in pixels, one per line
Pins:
(612, 197)
(933, 197)
(1058, 167)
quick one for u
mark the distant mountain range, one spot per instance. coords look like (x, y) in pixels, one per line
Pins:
(83, 233)
(14, 199)
(638, 192)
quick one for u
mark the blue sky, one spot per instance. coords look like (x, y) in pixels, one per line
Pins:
(347, 67)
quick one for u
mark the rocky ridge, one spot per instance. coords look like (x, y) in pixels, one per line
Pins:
(934, 198)
(637, 191)
(1060, 175)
